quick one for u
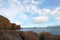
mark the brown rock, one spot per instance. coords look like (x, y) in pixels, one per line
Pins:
(29, 35)
(10, 35)
(14, 26)
(5, 24)
(48, 36)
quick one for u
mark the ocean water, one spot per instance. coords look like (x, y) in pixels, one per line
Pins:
(52, 30)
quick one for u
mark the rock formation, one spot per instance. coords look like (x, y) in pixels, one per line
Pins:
(29, 35)
(11, 35)
(14, 26)
(48, 36)
(18, 35)
(5, 24)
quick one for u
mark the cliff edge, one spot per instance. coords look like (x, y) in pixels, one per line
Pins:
(6, 24)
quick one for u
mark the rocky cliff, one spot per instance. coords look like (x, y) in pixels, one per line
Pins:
(6, 24)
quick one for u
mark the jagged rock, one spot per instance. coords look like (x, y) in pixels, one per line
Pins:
(29, 35)
(11, 35)
(48, 36)
(14, 26)
(5, 24)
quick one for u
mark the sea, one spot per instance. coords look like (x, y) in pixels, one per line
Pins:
(52, 30)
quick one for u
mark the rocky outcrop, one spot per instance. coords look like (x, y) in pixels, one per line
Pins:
(6, 24)
(14, 26)
(29, 35)
(11, 35)
(18, 35)
(48, 36)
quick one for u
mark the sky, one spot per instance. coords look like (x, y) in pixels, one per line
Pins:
(31, 13)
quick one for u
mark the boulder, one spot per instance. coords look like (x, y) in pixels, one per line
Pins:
(11, 35)
(29, 35)
(48, 36)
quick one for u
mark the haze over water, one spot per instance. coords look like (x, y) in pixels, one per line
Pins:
(53, 30)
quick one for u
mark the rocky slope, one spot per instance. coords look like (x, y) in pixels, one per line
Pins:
(29, 35)
(6, 24)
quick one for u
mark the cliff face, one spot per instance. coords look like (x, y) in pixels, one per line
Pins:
(5, 24)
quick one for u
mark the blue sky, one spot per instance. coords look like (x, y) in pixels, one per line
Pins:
(31, 13)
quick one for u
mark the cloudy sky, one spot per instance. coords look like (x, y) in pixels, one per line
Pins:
(31, 13)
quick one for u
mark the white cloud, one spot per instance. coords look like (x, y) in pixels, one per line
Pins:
(56, 13)
(23, 16)
(57, 18)
(15, 7)
(44, 11)
(10, 13)
(40, 19)
(34, 8)
(34, 1)
(37, 1)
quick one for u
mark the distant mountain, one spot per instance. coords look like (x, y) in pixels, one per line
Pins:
(53, 26)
